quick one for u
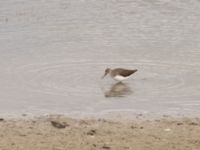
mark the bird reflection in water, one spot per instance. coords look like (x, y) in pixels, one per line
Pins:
(118, 90)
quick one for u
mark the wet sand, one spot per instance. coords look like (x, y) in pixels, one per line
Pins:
(61, 133)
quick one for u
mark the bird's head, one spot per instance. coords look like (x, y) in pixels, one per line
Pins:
(107, 71)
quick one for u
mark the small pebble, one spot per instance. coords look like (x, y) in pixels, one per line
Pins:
(91, 132)
(106, 147)
(58, 124)
(193, 123)
(133, 127)
(179, 123)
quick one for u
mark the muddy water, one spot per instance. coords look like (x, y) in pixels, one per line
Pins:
(53, 54)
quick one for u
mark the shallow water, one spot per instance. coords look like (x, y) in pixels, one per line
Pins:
(53, 54)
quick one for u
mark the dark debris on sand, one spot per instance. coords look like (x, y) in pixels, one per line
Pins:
(59, 125)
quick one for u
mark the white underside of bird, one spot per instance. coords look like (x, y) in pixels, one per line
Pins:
(120, 78)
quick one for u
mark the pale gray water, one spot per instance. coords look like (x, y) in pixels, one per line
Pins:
(53, 54)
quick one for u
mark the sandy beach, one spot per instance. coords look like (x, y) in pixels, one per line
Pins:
(62, 133)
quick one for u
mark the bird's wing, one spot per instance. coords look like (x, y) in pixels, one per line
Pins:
(126, 73)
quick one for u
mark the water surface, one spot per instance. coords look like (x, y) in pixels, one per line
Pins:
(53, 54)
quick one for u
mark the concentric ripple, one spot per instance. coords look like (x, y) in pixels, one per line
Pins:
(169, 79)
(83, 78)
(70, 78)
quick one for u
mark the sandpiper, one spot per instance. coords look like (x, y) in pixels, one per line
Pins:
(119, 74)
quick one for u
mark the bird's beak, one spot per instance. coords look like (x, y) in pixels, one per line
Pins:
(104, 75)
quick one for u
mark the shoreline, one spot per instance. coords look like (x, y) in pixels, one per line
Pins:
(112, 114)
(56, 132)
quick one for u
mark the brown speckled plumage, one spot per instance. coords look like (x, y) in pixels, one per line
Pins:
(119, 72)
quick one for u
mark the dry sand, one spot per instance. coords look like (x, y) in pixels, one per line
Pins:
(62, 133)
